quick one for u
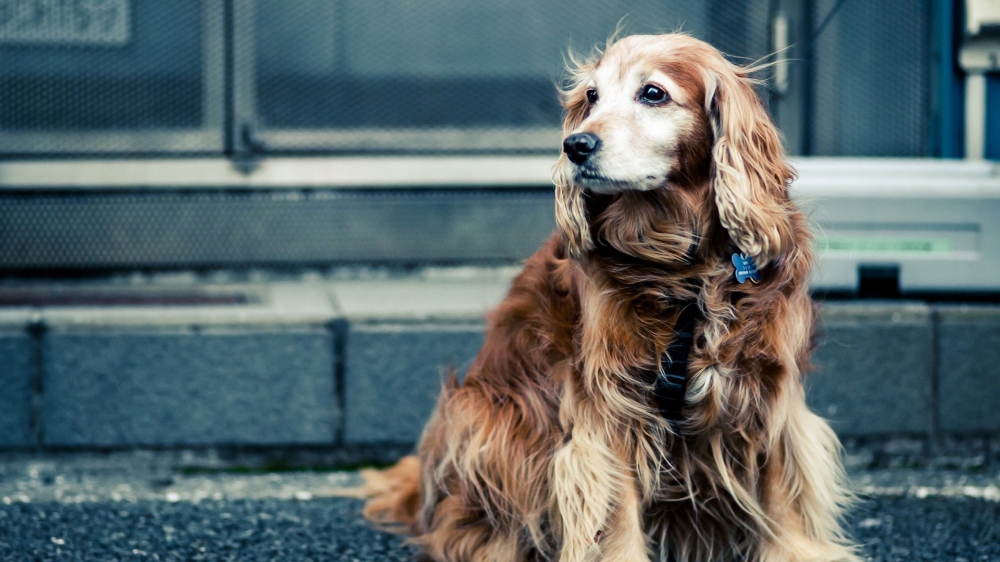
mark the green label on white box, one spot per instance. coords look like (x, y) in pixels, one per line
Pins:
(884, 245)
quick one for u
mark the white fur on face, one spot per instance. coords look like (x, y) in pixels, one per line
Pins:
(638, 141)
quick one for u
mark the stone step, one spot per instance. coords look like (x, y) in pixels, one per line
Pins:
(324, 363)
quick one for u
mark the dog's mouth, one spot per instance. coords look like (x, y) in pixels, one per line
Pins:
(590, 174)
(589, 178)
(586, 174)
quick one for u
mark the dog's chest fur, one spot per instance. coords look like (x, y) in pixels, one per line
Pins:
(623, 333)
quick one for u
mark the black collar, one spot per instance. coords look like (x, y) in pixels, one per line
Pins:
(672, 379)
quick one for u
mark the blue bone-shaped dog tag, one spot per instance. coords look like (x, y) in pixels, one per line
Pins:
(745, 268)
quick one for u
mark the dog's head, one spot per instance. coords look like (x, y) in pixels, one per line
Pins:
(669, 112)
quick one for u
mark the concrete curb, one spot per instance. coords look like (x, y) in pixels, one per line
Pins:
(968, 373)
(875, 368)
(355, 363)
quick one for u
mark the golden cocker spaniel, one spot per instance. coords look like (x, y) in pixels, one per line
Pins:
(640, 392)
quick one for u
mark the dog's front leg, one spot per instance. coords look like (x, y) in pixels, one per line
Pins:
(583, 485)
(596, 496)
(624, 539)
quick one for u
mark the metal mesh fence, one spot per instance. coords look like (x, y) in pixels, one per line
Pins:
(872, 79)
(111, 75)
(206, 229)
(118, 76)
(364, 64)
(147, 75)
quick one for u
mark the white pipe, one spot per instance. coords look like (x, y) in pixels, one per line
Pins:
(975, 116)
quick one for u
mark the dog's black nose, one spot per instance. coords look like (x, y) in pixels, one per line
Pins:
(579, 146)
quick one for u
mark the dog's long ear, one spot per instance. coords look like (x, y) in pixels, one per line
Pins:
(750, 176)
(571, 216)
(571, 210)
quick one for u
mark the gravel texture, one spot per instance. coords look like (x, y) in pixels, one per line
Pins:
(903, 529)
(142, 507)
(246, 530)
(890, 529)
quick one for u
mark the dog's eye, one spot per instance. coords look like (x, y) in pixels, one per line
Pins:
(653, 94)
(591, 96)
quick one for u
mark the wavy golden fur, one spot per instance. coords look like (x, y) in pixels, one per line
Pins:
(552, 448)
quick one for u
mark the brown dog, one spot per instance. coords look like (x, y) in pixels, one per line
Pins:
(554, 447)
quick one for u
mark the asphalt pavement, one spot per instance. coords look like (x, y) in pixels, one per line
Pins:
(890, 528)
(55, 512)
